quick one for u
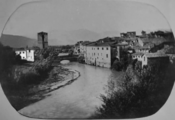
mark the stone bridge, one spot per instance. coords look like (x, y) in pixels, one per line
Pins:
(60, 58)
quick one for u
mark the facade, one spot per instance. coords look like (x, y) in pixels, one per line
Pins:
(83, 48)
(22, 53)
(98, 55)
(119, 47)
(42, 40)
(137, 56)
(30, 55)
(26, 54)
(77, 48)
(146, 58)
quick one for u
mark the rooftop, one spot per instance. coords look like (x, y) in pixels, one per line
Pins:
(22, 49)
(63, 54)
(101, 44)
(136, 54)
(153, 55)
(153, 40)
(122, 43)
(141, 47)
(42, 32)
(85, 42)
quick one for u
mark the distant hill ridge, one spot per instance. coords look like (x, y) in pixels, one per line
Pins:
(16, 41)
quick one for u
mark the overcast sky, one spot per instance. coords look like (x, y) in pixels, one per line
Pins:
(94, 15)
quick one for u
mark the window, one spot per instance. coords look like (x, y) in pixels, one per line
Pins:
(106, 55)
(107, 48)
(102, 48)
(97, 48)
(94, 53)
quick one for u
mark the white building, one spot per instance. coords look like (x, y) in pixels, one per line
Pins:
(145, 58)
(153, 56)
(137, 56)
(83, 48)
(30, 55)
(98, 54)
(22, 53)
(26, 54)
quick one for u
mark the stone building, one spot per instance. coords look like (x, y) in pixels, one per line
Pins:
(98, 54)
(42, 40)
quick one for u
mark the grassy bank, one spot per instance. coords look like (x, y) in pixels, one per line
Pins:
(17, 78)
(31, 87)
(143, 91)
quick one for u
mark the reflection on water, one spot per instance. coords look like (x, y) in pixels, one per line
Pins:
(77, 100)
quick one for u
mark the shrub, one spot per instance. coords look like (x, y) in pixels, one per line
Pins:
(117, 65)
(29, 78)
(141, 98)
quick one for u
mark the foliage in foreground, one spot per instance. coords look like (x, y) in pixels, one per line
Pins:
(17, 89)
(139, 97)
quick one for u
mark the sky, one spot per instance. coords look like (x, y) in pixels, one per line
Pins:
(102, 17)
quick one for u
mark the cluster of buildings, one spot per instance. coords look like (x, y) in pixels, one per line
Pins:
(27, 53)
(103, 52)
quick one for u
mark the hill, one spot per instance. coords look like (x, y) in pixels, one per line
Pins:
(16, 41)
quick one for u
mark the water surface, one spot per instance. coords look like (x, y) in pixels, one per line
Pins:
(77, 100)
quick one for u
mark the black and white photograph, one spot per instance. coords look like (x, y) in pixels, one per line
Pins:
(86, 59)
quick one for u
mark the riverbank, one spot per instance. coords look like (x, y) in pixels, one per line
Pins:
(77, 100)
(143, 91)
(21, 96)
(66, 77)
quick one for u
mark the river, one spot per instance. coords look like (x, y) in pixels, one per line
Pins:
(77, 100)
